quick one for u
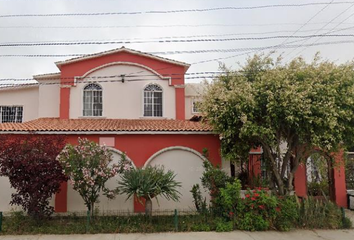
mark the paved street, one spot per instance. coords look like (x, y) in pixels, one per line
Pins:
(236, 235)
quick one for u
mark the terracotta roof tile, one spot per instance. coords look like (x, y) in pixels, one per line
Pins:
(105, 125)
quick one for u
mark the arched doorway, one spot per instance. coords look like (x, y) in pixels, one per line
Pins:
(319, 176)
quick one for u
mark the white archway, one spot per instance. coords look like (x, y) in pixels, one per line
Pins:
(175, 148)
(187, 164)
(121, 153)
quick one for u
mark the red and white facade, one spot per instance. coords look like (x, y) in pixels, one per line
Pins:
(123, 119)
(134, 103)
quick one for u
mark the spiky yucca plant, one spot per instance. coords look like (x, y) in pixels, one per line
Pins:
(149, 183)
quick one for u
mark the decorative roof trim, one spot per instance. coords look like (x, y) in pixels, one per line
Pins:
(47, 76)
(123, 63)
(117, 50)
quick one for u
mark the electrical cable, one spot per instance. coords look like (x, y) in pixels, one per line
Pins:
(172, 11)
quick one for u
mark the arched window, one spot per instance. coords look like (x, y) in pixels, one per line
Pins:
(153, 101)
(92, 100)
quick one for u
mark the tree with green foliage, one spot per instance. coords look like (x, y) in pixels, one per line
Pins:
(291, 110)
(149, 183)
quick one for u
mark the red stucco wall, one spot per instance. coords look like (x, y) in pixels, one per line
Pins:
(68, 71)
(139, 148)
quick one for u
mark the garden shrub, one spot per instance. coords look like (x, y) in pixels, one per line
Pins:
(223, 226)
(258, 211)
(213, 179)
(346, 223)
(88, 166)
(230, 199)
(319, 213)
(201, 227)
(148, 183)
(199, 202)
(33, 171)
(287, 213)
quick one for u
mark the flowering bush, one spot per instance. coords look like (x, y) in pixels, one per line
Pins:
(259, 210)
(88, 166)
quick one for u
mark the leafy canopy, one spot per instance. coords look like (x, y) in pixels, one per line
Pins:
(288, 109)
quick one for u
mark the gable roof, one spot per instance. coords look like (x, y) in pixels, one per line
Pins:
(73, 126)
(118, 50)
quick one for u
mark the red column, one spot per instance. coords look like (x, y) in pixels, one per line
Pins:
(64, 102)
(61, 198)
(254, 166)
(300, 183)
(340, 189)
(180, 103)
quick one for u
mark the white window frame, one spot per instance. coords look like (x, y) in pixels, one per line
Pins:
(16, 113)
(92, 104)
(194, 100)
(153, 110)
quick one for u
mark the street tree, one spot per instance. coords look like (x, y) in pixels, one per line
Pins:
(290, 110)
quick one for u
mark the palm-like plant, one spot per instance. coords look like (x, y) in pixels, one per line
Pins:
(149, 183)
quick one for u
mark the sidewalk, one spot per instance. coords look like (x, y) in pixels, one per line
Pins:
(236, 235)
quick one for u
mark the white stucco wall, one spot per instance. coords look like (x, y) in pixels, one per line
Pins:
(5, 194)
(189, 106)
(49, 98)
(26, 97)
(123, 100)
(193, 91)
(188, 168)
(76, 204)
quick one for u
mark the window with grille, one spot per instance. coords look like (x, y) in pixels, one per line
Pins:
(196, 106)
(153, 101)
(92, 100)
(12, 114)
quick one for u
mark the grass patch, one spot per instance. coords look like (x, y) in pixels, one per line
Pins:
(18, 224)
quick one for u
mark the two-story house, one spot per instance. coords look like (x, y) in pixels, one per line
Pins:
(131, 101)
(135, 103)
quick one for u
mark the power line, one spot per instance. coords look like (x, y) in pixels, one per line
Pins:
(324, 34)
(333, 19)
(93, 80)
(173, 11)
(192, 74)
(66, 43)
(307, 22)
(163, 26)
(185, 51)
(182, 37)
(188, 36)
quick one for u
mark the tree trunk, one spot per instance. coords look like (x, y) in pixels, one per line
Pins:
(148, 207)
(92, 208)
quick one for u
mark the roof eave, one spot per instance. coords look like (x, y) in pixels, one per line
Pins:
(107, 132)
(104, 53)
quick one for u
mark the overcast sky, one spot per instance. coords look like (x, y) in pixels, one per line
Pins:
(230, 23)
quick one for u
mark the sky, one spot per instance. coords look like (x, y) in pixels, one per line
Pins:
(330, 18)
